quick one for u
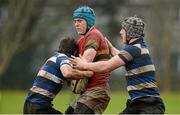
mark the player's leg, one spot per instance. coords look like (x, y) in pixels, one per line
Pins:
(26, 108)
(128, 108)
(33, 108)
(82, 109)
(145, 105)
(78, 108)
(49, 110)
(69, 110)
(96, 99)
(152, 105)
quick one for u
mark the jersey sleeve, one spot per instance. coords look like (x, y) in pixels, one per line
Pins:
(65, 60)
(129, 53)
(92, 41)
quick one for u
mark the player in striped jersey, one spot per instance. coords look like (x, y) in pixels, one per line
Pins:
(140, 75)
(51, 78)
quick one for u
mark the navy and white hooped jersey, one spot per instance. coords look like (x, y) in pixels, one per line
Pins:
(49, 80)
(140, 75)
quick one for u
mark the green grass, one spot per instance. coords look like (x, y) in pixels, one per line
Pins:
(12, 102)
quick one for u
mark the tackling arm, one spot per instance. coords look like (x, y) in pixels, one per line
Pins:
(114, 51)
(101, 66)
(70, 73)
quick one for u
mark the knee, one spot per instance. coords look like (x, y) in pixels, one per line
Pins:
(83, 109)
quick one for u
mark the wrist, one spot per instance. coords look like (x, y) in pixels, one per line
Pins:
(85, 65)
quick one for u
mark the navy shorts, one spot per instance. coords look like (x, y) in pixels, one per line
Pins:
(145, 105)
(32, 108)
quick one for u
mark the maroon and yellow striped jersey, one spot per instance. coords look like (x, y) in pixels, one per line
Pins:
(94, 39)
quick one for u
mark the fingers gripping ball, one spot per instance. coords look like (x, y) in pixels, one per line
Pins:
(77, 86)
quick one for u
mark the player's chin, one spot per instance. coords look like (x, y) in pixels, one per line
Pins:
(80, 33)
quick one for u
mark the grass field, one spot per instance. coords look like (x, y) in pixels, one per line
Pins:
(12, 102)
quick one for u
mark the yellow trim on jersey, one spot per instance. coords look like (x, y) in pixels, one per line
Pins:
(140, 70)
(141, 86)
(42, 92)
(50, 76)
(126, 55)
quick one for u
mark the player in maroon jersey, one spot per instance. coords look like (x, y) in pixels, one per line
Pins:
(93, 47)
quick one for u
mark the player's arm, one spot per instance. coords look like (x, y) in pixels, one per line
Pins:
(70, 73)
(114, 51)
(91, 46)
(89, 54)
(101, 66)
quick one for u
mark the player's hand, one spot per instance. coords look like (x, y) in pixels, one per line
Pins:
(109, 43)
(113, 50)
(78, 62)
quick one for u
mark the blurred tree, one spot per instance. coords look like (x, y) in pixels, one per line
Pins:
(20, 30)
(30, 29)
(30, 26)
(15, 33)
(162, 17)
